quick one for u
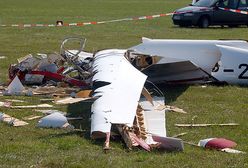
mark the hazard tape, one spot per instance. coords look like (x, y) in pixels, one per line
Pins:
(112, 21)
(235, 10)
(86, 23)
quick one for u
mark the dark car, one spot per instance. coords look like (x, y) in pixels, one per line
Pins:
(208, 12)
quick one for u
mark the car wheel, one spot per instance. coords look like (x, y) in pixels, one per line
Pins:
(204, 22)
(233, 26)
(183, 25)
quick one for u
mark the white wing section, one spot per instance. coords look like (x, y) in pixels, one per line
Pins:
(118, 85)
(233, 65)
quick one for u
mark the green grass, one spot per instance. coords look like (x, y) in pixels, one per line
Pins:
(33, 147)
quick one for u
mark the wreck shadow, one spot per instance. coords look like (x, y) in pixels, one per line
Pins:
(77, 132)
(80, 110)
(171, 91)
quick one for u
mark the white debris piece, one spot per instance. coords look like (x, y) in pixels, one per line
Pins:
(15, 87)
(47, 112)
(11, 120)
(70, 100)
(32, 106)
(54, 120)
(154, 117)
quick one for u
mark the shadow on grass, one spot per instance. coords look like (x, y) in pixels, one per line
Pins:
(77, 132)
(171, 91)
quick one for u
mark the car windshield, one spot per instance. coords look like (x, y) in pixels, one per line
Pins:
(205, 3)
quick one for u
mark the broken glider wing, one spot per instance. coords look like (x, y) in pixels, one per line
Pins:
(182, 60)
(117, 85)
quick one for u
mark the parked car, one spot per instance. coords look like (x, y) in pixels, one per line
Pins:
(204, 13)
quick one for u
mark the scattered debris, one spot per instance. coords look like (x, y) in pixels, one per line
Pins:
(179, 135)
(2, 57)
(217, 143)
(174, 109)
(54, 91)
(47, 112)
(32, 117)
(15, 87)
(220, 144)
(46, 100)
(5, 104)
(228, 150)
(15, 101)
(70, 100)
(84, 94)
(206, 125)
(169, 143)
(70, 66)
(54, 120)
(11, 120)
(113, 80)
(32, 106)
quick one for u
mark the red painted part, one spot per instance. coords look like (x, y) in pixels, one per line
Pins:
(220, 143)
(140, 141)
(59, 77)
(60, 70)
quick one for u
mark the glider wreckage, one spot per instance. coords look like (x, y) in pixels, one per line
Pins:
(117, 78)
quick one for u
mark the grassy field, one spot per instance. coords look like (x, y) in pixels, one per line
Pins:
(33, 147)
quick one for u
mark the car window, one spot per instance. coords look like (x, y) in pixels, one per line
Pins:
(233, 4)
(243, 4)
(223, 3)
(205, 3)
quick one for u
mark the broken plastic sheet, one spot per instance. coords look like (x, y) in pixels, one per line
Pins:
(54, 120)
(154, 116)
(118, 99)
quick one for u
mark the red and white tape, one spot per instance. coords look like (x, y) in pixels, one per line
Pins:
(86, 23)
(235, 10)
(112, 21)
